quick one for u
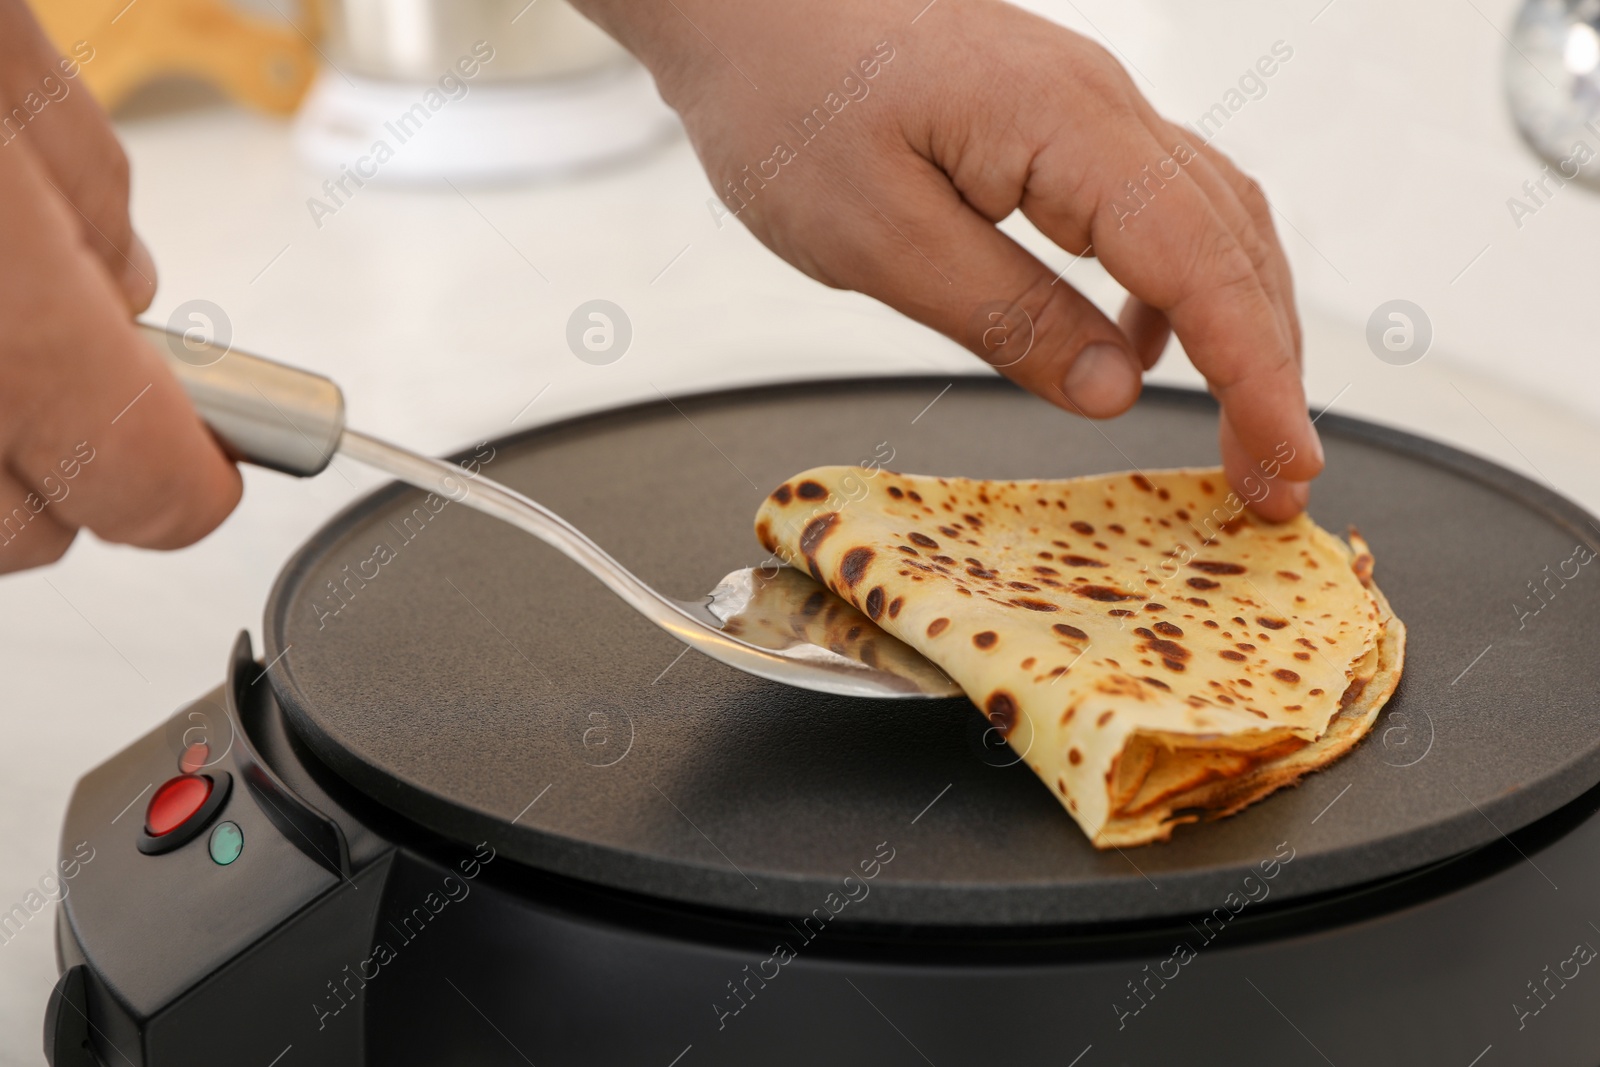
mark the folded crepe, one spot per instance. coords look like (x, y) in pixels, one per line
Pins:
(1152, 650)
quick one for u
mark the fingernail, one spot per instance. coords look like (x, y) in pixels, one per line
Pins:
(1298, 492)
(1101, 380)
(1316, 446)
(139, 274)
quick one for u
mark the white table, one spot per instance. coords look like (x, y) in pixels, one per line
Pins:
(1384, 145)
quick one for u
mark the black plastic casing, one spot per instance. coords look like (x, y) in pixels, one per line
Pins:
(344, 936)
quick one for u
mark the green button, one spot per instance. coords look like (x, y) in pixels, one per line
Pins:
(227, 841)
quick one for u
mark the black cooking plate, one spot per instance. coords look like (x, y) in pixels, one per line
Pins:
(480, 684)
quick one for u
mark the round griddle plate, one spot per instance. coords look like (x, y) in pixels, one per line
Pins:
(485, 687)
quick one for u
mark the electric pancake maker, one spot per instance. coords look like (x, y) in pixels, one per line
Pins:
(465, 808)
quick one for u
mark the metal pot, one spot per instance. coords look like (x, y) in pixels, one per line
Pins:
(414, 40)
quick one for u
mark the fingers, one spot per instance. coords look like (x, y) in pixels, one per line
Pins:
(146, 471)
(1266, 257)
(1171, 246)
(30, 536)
(90, 416)
(1244, 209)
(931, 256)
(1270, 494)
(67, 130)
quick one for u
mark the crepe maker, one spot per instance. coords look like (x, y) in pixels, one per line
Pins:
(463, 807)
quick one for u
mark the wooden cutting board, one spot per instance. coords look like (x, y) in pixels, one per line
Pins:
(122, 45)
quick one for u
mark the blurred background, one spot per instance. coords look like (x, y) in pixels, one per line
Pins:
(440, 284)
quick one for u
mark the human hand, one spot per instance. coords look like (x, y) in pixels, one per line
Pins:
(874, 145)
(94, 430)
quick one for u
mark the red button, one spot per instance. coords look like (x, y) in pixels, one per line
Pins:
(175, 802)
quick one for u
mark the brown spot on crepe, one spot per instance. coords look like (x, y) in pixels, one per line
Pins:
(985, 639)
(812, 536)
(1158, 683)
(1228, 653)
(1289, 576)
(1203, 583)
(874, 604)
(1122, 613)
(1105, 717)
(1034, 605)
(1028, 663)
(1210, 624)
(1141, 481)
(922, 539)
(1001, 708)
(809, 490)
(914, 495)
(1362, 564)
(1067, 630)
(1316, 692)
(1023, 586)
(1173, 664)
(895, 605)
(1271, 623)
(1285, 675)
(813, 603)
(764, 535)
(783, 494)
(908, 550)
(896, 492)
(1081, 561)
(1169, 629)
(1074, 757)
(1083, 527)
(1102, 593)
(1211, 566)
(1302, 655)
(854, 565)
(937, 627)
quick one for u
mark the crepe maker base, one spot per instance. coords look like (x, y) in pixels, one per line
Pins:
(486, 687)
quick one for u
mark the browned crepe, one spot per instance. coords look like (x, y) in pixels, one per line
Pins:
(1154, 651)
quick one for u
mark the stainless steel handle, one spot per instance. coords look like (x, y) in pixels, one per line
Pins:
(265, 413)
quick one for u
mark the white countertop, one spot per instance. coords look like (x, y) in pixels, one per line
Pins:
(1383, 141)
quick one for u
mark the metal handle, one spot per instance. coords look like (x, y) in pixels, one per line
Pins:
(274, 416)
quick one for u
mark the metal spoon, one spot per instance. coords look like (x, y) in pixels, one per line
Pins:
(775, 623)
